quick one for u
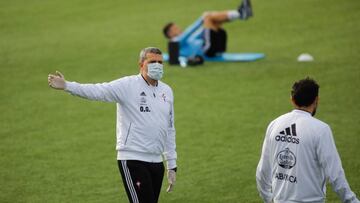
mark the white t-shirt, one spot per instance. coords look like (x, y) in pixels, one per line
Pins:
(298, 156)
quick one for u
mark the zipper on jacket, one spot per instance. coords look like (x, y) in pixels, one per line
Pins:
(128, 132)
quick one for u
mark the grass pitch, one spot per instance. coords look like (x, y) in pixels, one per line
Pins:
(58, 148)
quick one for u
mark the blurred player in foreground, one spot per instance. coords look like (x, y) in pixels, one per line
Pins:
(299, 154)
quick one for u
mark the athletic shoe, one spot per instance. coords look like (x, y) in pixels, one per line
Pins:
(245, 10)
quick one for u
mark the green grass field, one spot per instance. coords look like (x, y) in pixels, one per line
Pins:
(58, 148)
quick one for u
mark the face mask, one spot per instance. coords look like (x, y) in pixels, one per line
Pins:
(155, 71)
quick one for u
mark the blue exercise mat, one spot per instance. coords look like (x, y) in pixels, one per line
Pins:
(230, 57)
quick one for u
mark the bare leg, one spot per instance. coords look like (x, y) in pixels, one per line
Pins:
(214, 19)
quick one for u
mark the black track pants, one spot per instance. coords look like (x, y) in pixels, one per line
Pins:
(142, 180)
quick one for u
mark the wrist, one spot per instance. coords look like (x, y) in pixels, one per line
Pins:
(65, 85)
(173, 169)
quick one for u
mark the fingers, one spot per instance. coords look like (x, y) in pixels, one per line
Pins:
(59, 74)
(171, 175)
(170, 188)
(51, 79)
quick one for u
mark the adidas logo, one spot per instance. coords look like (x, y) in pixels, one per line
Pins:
(288, 135)
(143, 94)
(288, 132)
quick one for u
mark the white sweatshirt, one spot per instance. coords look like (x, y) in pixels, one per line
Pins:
(145, 128)
(298, 156)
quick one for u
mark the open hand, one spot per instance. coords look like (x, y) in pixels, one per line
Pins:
(56, 81)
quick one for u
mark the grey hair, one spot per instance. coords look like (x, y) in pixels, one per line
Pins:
(147, 50)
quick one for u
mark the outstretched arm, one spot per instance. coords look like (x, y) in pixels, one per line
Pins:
(109, 92)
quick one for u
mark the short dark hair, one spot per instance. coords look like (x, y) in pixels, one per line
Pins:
(167, 28)
(304, 92)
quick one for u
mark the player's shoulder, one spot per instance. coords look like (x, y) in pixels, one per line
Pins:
(318, 122)
(125, 82)
(319, 125)
(128, 79)
(308, 119)
(281, 118)
(164, 86)
(300, 116)
(276, 121)
(311, 122)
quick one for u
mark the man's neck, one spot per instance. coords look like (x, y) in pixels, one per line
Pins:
(149, 81)
(308, 109)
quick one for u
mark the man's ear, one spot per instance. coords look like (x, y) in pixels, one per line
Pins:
(141, 65)
(292, 100)
(317, 100)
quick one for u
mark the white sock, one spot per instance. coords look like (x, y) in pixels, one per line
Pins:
(232, 15)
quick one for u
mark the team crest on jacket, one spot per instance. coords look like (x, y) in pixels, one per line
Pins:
(286, 159)
(163, 96)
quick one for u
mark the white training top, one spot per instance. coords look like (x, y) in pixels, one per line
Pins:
(145, 128)
(298, 156)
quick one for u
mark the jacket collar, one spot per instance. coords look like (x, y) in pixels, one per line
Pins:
(157, 83)
(301, 112)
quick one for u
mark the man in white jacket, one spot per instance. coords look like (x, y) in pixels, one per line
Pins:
(145, 128)
(299, 154)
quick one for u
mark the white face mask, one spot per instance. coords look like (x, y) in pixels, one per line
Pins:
(155, 71)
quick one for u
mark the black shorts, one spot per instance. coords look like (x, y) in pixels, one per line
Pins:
(214, 42)
(142, 180)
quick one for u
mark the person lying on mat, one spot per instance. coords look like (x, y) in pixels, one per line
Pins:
(206, 37)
